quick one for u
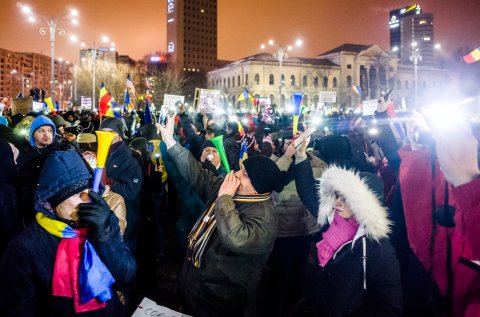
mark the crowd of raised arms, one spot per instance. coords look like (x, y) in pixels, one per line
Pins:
(252, 214)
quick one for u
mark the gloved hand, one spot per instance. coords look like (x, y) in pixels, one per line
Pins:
(98, 217)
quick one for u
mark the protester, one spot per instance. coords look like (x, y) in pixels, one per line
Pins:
(230, 243)
(125, 177)
(42, 273)
(357, 270)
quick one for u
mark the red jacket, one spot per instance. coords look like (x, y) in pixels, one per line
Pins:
(416, 185)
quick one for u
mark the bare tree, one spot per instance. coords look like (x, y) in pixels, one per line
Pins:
(167, 81)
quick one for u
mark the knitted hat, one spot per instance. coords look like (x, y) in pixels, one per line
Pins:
(86, 138)
(206, 144)
(58, 121)
(334, 149)
(115, 124)
(38, 122)
(3, 121)
(265, 174)
(149, 132)
(64, 174)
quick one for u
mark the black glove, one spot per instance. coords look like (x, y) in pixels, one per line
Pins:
(98, 217)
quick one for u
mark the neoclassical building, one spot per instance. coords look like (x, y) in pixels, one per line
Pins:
(338, 70)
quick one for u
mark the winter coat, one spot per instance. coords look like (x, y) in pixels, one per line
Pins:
(29, 164)
(416, 185)
(236, 252)
(348, 285)
(192, 138)
(190, 203)
(293, 218)
(127, 176)
(26, 274)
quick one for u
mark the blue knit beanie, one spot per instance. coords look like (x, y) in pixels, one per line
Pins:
(40, 121)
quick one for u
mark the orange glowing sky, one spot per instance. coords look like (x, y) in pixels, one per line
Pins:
(242, 25)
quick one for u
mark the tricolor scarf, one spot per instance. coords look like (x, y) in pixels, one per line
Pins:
(78, 275)
(341, 231)
(206, 225)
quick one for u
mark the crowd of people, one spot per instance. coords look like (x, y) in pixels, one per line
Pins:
(269, 220)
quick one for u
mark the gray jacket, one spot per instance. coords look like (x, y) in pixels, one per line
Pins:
(293, 217)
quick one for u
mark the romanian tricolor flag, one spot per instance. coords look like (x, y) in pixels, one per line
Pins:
(357, 89)
(245, 95)
(48, 102)
(148, 94)
(104, 102)
(472, 57)
(240, 129)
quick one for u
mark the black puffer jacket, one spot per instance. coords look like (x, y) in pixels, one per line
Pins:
(127, 176)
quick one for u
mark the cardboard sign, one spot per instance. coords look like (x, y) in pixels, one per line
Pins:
(86, 102)
(206, 100)
(369, 107)
(38, 106)
(173, 100)
(22, 105)
(148, 308)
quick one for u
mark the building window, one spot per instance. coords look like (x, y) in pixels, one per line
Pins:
(272, 99)
(292, 80)
(325, 82)
(406, 84)
(257, 79)
(238, 80)
(228, 83)
(349, 66)
(334, 82)
(399, 84)
(224, 85)
(271, 80)
(305, 81)
(233, 81)
(246, 79)
(282, 82)
(349, 81)
(315, 82)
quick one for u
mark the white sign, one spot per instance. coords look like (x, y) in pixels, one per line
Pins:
(148, 308)
(328, 96)
(173, 100)
(208, 100)
(369, 107)
(171, 47)
(38, 106)
(86, 102)
(170, 6)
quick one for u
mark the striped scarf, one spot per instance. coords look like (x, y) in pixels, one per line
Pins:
(206, 225)
(79, 273)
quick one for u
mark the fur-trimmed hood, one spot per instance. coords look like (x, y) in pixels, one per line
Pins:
(360, 198)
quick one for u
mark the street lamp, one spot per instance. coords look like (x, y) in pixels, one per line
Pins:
(51, 28)
(280, 55)
(94, 51)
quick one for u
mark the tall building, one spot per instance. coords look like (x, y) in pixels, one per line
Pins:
(192, 34)
(30, 70)
(410, 25)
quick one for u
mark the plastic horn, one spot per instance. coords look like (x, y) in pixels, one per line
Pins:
(297, 98)
(105, 140)
(218, 142)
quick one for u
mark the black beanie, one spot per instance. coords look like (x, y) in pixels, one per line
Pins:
(207, 144)
(115, 124)
(334, 149)
(265, 174)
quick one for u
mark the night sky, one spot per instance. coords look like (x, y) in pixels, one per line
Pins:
(139, 27)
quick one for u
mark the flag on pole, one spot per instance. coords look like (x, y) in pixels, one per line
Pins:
(357, 89)
(48, 102)
(104, 102)
(472, 57)
(147, 84)
(245, 95)
(19, 95)
(147, 118)
(130, 85)
(57, 106)
(149, 94)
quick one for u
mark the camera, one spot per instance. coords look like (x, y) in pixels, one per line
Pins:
(74, 130)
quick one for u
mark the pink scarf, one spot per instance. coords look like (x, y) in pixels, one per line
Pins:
(341, 231)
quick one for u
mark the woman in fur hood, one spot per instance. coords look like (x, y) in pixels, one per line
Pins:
(356, 271)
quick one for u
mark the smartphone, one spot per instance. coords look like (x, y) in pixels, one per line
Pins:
(163, 115)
